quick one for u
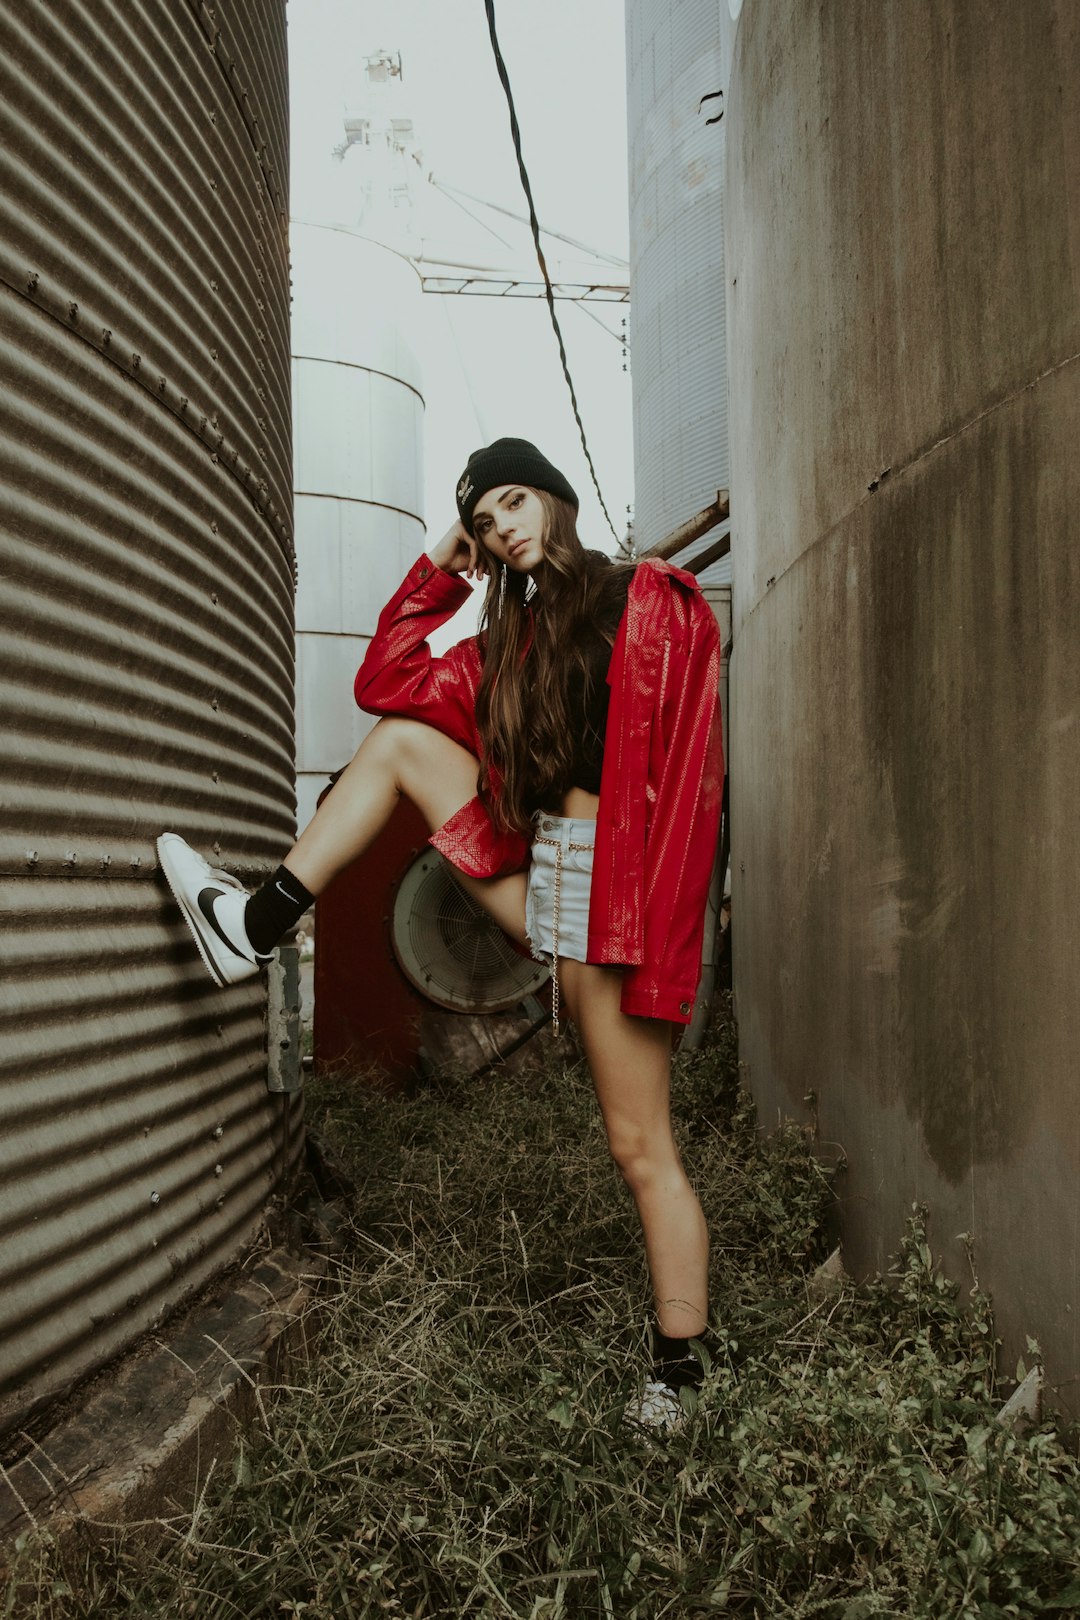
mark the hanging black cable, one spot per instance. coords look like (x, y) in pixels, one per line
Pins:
(534, 225)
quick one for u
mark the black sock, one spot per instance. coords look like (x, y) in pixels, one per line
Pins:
(274, 909)
(674, 1362)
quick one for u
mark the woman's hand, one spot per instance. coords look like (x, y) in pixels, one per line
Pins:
(458, 553)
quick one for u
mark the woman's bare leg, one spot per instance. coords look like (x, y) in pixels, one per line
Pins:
(399, 756)
(630, 1060)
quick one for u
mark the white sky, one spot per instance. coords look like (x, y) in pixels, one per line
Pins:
(491, 367)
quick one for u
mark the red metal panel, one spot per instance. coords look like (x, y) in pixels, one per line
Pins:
(366, 1012)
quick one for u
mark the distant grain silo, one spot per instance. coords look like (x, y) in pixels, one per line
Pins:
(677, 64)
(359, 425)
(148, 569)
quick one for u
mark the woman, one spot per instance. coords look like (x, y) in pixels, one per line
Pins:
(568, 762)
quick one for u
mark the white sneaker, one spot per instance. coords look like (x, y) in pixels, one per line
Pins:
(657, 1407)
(212, 904)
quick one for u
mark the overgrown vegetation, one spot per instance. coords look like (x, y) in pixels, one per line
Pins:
(459, 1448)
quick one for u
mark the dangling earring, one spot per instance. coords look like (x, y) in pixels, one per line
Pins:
(502, 591)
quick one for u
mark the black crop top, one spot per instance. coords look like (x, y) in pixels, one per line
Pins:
(592, 705)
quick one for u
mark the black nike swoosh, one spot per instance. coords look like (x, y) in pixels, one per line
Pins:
(206, 906)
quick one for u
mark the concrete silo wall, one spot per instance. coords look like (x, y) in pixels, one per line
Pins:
(904, 308)
(147, 564)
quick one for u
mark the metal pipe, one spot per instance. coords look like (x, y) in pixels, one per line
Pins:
(693, 528)
(711, 554)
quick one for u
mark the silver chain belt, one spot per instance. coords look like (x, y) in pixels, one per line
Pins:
(557, 845)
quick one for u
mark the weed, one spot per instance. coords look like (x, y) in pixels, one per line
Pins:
(458, 1447)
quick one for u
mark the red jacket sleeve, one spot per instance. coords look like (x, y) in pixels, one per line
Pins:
(400, 674)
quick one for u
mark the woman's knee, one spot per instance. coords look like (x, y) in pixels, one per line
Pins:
(640, 1157)
(430, 769)
(397, 737)
(411, 747)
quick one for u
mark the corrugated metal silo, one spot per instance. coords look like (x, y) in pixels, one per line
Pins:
(677, 55)
(147, 678)
(359, 421)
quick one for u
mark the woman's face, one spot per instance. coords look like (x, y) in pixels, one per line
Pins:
(509, 522)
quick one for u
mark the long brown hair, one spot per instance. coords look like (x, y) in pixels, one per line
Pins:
(527, 731)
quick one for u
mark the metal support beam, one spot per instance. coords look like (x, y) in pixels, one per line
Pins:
(508, 287)
(708, 518)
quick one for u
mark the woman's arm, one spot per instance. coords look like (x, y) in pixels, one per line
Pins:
(399, 674)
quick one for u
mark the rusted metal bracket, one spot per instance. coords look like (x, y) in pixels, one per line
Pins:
(284, 1072)
(685, 535)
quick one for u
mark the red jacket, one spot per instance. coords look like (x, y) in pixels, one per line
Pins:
(662, 776)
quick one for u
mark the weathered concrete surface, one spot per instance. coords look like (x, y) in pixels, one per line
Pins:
(140, 1445)
(904, 303)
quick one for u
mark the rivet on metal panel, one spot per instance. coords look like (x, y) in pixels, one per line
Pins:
(32, 281)
(155, 1198)
(73, 311)
(183, 403)
(31, 857)
(106, 860)
(213, 286)
(220, 1200)
(214, 774)
(219, 1132)
(161, 385)
(213, 183)
(217, 851)
(214, 600)
(135, 862)
(70, 858)
(106, 337)
(213, 354)
(213, 526)
(136, 361)
(219, 1170)
(214, 703)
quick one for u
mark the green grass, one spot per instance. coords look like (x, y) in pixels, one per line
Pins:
(458, 1448)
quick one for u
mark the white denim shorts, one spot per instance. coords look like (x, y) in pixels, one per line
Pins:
(562, 863)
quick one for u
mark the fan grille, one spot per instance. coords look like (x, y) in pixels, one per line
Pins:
(451, 949)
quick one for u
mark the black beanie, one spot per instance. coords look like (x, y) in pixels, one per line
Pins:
(508, 461)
